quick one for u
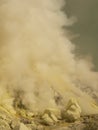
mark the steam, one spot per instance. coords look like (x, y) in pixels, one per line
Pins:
(37, 57)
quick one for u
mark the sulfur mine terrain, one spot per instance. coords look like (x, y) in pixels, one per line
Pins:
(44, 85)
(20, 118)
(8, 121)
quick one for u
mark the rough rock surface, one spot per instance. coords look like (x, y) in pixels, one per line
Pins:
(50, 119)
(72, 111)
(50, 116)
(9, 121)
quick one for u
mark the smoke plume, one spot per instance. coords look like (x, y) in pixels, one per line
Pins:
(37, 57)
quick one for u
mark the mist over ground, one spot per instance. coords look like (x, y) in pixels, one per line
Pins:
(38, 58)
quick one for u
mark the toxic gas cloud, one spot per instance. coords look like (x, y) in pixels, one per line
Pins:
(37, 57)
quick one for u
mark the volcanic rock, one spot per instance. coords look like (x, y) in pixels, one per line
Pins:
(72, 112)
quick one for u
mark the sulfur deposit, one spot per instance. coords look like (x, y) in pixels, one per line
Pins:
(38, 66)
(72, 111)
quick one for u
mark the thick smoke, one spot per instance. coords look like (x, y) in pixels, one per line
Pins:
(37, 58)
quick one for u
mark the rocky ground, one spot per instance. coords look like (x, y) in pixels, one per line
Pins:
(15, 116)
(28, 121)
